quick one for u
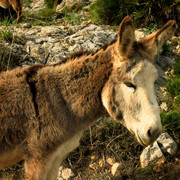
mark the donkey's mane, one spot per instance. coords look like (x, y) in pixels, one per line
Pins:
(80, 53)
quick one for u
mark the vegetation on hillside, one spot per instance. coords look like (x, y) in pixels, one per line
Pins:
(143, 11)
(171, 119)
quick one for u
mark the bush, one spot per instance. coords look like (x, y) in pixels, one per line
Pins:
(6, 35)
(171, 120)
(143, 12)
(173, 87)
(52, 3)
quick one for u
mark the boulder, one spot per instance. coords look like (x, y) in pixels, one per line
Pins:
(151, 155)
(167, 144)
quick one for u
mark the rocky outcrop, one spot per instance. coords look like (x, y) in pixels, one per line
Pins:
(36, 6)
(50, 44)
(71, 4)
(153, 154)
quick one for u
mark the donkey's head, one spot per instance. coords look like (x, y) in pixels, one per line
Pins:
(129, 95)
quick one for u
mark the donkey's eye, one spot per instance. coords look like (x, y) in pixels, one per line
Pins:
(129, 84)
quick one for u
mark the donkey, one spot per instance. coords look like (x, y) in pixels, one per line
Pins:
(44, 109)
(16, 5)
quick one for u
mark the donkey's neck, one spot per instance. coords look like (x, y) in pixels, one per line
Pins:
(82, 85)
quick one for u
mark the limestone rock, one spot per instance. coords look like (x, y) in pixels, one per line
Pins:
(115, 168)
(151, 155)
(37, 5)
(59, 177)
(101, 162)
(110, 161)
(164, 106)
(93, 166)
(67, 173)
(139, 34)
(70, 4)
(27, 25)
(167, 144)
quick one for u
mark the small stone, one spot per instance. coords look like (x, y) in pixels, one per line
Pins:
(139, 34)
(164, 106)
(93, 166)
(152, 154)
(101, 163)
(67, 173)
(94, 157)
(115, 168)
(27, 25)
(168, 145)
(157, 168)
(110, 161)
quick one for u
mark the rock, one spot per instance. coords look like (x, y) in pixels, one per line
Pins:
(101, 163)
(27, 25)
(167, 144)
(164, 106)
(110, 161)
(37, 6)
(59, 177)
(165, 62)
(93, 166)
(152, 154)
(157, 168)
(67, 173)
(94, 157)
(139, 34)
(115, 168)
(69, 4)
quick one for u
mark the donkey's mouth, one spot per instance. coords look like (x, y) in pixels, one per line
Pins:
(140, 140)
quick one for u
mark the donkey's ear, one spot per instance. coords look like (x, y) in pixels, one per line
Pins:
(152, 43)
(126, 36)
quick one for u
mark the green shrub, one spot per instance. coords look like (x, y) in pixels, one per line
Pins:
(52, 3)
(6, 35)
(27, 3)
(143, 11)
(107, 11)
(47, 12)
(173, 87)
(177, 69)
(72, 18)
(171, 121)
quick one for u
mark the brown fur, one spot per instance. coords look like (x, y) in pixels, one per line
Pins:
(42, 108)
(16, 5)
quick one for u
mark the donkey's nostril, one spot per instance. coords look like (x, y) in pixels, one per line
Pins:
(153, 133)
(149, 133)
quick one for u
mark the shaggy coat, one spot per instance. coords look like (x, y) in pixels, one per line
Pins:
(44, 109)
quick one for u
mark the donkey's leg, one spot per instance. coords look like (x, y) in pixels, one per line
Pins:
(18, 17)
(58, 155)
(35, 168)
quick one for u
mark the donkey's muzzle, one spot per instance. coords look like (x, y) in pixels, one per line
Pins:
(149, 137)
